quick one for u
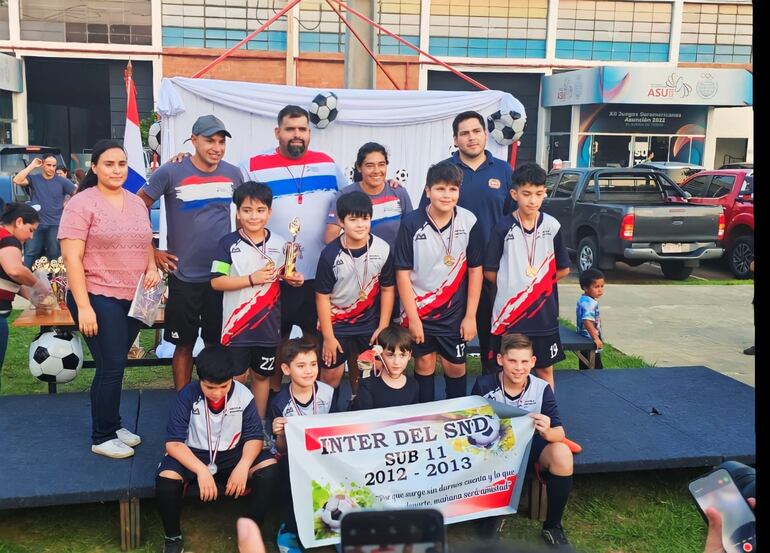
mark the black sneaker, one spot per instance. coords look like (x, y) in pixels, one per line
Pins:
(749, 351)
(175, 545)
(555, 536)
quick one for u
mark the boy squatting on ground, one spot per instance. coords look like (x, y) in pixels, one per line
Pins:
(392, 387)
(354, 287)
(588, 321)
(302, 395)
(514, 385)
(214, 436)
(438, 258)
(247, 267)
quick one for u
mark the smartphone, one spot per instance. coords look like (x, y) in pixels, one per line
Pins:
(398, 531)
(717, 489)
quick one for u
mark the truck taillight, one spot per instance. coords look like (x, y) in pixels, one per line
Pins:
(721, 226)
(627, 227)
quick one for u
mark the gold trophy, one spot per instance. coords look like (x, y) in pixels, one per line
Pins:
(292, 248)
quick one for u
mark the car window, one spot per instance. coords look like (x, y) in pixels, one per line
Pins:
(697, 186)
(566, 185)
(721, 185)
(624, 188)
(748, 185)
(550, 183)
(589, 192)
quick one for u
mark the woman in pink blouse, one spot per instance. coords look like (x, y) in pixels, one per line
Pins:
(106, 242)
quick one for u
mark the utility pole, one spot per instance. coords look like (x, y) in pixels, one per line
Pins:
(359, 66)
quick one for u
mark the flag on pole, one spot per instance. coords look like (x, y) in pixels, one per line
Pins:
(132, 139)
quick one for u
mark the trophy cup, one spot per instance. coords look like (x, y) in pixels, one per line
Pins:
(292, 248)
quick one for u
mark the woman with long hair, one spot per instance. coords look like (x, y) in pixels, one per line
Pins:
(17, 225)
(106, 241)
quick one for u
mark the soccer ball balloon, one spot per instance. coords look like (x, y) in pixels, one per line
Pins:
(55, 357)
(402, 176)
(488, 434)
(323, 109)
(337, 507)
(350, 173)
(506, 127)
(153, 137)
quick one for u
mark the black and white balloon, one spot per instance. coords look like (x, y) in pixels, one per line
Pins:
(506, 127)
(153, 137)
(323, 109)
(402, 176)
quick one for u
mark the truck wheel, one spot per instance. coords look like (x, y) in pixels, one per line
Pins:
(675, 270)
(587, 254)
(740, 256)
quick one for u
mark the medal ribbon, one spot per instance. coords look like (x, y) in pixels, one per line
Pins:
(298, 183)
(263, 250)
(296, 405)
(440, 235)
(213, 452)
(361, 281)
(505, 396)
(530, 251)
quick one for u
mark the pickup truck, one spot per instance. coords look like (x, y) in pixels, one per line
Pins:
(733, 189)
(632, 215)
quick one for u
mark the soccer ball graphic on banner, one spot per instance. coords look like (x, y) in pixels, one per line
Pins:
(506, 127)
(337, 506)
(153, 137)
(487, 433)
(402, 176)
(55, 357)
(323, 109)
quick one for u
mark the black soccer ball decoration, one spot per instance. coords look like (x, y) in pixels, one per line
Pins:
(402, 176)
(55, 357)
(506, 127)
(323, 109)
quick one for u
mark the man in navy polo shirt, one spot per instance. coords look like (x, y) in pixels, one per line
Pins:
(484, 193)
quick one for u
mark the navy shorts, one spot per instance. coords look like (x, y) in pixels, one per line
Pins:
(547, 349)
(224, 468)
(451, 349)
(298, 308)
(352, 347)
(192, 305)
(259, 359)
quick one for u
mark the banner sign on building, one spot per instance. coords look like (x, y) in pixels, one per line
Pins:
(641, 118)
(649, 85)
(461, 456)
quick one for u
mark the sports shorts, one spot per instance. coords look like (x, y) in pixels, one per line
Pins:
(192, 306)
(298, 308)
(547, 349)
(352, 346)
(451, 349)
(259, 359)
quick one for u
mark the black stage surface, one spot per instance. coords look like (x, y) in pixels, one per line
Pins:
(625, 419)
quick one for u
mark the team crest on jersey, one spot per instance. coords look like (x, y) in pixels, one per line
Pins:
(339, 262)
(420, 236)
(494, 184)
(235, 249)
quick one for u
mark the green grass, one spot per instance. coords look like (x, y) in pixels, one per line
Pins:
(637, 512)
(692, 281)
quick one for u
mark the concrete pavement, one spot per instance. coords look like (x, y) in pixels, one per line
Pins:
(676, 325)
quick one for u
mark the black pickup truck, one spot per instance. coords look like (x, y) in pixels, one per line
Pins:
(632, 215)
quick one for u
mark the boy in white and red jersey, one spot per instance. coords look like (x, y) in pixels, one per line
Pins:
(354, 289)
(438, 262)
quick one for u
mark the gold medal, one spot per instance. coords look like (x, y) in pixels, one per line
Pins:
(531, 271)
(449, 260)
(362, 295)
(270, 265)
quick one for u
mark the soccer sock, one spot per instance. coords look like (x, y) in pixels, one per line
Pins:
(263, 484)
(557, 492)
(168, 493)
(427, 391)
(455, 387)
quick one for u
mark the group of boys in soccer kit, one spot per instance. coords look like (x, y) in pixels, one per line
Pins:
(416, 297)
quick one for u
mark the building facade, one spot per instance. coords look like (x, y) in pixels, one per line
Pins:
(511, 45)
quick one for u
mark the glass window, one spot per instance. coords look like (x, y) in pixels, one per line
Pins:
(697, 186)
(748, 185)
(561, 119)
(721, 185)
(628, 188)
(717, 33)
(550, 183)
(99, 21)
(5, 32)
(566, 185)
(403, 19)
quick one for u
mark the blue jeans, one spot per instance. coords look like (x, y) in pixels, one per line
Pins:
(43, 241)
(109, 349)
(3, 342)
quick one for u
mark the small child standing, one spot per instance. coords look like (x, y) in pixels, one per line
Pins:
(589, 324)
(393, 387)
(246, 267)
(303, 395)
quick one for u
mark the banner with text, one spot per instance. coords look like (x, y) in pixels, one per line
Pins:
(462, 456)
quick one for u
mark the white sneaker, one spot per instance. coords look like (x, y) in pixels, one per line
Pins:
(113, 448)
(128, 437)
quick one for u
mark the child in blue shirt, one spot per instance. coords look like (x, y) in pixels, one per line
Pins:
(589, 323)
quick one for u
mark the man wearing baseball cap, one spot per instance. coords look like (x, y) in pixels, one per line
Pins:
(197, 193)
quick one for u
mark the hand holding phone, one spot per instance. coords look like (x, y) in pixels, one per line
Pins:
(397, 531)
(718, 491)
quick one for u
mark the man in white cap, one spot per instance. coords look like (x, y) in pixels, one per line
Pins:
(197, 192)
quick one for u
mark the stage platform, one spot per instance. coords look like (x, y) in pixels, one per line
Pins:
(625, 419)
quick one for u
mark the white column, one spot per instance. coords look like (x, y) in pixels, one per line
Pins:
(20, 125)
(422, 82)
(157, 24)
(292, 45)
(710, 147)
(574, 129)
(14, 17)
(543, 125)
(157, 76)
(676, 31)
(551, 27)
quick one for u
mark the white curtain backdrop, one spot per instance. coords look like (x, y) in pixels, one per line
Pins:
(414, 126)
